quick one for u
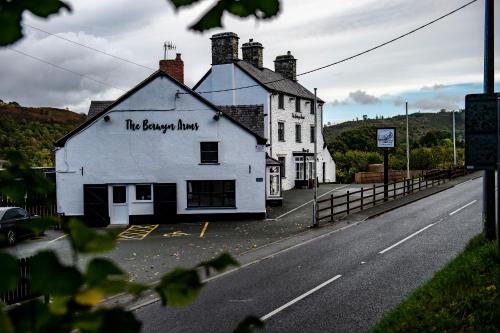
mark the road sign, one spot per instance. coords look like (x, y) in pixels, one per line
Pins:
(386, 137)
(481, 131)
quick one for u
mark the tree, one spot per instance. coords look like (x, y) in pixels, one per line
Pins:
(434, 137)
(11, 13)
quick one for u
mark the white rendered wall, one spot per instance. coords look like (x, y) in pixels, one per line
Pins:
(110, 154)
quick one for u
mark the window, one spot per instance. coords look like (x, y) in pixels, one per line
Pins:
(299, 168)
(211, 193)
(209, 152)
(11, 214)
(297, 104)
(281, 101)
(312, 107)
(281, 131)
(282, 160)
(119, 194)
(313, 134)
(143, 192)
(298, 134)
(274, 182)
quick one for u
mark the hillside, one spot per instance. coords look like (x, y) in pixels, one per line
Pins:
(33, 131)
(419, 125)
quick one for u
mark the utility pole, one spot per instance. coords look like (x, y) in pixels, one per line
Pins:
(454, 142)
(488, 88)
(407, 145)
(315, 205)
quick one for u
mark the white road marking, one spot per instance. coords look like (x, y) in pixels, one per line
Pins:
(405, 239)
(463, 207)
(307, 203)
(295, 300)
(58, 238)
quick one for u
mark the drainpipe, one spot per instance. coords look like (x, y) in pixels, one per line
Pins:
(270, 114)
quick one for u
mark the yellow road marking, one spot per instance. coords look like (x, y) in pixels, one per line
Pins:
(175, 234)
(137, 232)
(204, 229)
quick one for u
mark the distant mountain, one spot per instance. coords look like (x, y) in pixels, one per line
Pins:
(33, 131)
(419, 125)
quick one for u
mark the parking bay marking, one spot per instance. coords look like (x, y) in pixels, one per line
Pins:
(137, 232)
(203, 230)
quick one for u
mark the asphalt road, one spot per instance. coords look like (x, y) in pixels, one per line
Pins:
(340, 282)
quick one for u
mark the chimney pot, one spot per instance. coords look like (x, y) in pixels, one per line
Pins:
(253, 53)
(286, 65)
(224, 48)
(174, 67)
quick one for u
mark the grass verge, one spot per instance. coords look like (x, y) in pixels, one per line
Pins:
(462, 297)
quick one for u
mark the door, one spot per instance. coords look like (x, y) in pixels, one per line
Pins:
(95, 205)
(165, 202)
(119, 204)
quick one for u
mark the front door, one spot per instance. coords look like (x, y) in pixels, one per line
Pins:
(119, 204)
(165, 202)
(95, 205)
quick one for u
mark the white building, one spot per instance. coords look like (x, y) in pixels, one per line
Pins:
(161, 152)
(288, 107)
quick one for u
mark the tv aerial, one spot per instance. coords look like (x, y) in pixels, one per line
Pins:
(168, 46)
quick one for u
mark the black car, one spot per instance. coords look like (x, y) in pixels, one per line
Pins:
(11, 223)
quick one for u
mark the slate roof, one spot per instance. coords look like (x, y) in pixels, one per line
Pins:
(98, 106)
(250, 116)
(275, 81)
(272, 161)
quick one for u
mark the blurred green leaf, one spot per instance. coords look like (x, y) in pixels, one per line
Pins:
(10, 272)
(108, 320)
(87, 240)
(100, 269)
(11, 14)
(33, 316)
(219, 264)
(49, 276)
(90, 296)
(181, 3)
(39, 225)
(248, 324)
(59, 305)
(5, 323)
(179, 287)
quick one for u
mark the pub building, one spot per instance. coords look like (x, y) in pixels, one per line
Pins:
(163, 153)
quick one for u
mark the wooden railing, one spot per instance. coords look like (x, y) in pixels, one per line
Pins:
(353, 201)
(47, 208)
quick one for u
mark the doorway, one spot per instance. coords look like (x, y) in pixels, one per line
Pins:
(119, 204)
(165, 202)
(95, 205)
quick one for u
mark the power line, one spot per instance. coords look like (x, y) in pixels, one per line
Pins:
(64, 68)
(355, 55)
(89, 47)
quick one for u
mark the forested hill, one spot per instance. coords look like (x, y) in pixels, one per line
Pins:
(33, 131)
(419, 125)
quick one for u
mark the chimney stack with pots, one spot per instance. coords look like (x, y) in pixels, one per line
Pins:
(286, 65)
(224, 48)
(253, 53)
(173, 67)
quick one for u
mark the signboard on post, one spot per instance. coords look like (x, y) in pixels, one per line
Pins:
(386, 137)
(481, 131)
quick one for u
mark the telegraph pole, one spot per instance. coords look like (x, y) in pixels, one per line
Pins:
(454, 142)
(488, 88)
(407, 146)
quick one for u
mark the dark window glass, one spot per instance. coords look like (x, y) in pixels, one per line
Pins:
(119, 194)
(312, 107)
(142, 192)
(209, 152)
(10, 214)
(282, 162)
(211, 193)
(21, 213)
(281, 101)
(298, 134)
(281, 131)
(313, 134)
(297, 104)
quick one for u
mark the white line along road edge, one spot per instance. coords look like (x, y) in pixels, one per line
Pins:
(295, 300)
(464, 206)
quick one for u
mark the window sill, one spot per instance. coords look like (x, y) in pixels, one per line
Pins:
(281, 141)
(142, 201)
(214, 163)
(212, 208)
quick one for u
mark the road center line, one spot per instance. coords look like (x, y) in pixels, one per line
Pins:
(295, 300)
(463, 207)
(405, 239)
(307, 203)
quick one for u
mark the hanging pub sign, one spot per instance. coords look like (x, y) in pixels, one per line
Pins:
(146, 125)
(481, 131)
(386, 137)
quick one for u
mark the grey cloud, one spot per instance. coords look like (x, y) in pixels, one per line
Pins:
(437, 102)
(361, 97)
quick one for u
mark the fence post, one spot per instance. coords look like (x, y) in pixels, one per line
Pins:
(347, 197)
(362, 191)
(419, 184)
(412, 185)
(404, 186)
(394, 190)
(331, 207)
(374, 194)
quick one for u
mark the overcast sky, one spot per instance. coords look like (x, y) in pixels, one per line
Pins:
(432, 69)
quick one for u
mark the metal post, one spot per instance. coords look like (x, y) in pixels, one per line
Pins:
(488, 87)
(347, 202)
(331, 207)
(394, 189)
(454, 142)
(386, 173)
(374, 195)
(498, 178)
(315, 221)
(407, 145)
(361, 198)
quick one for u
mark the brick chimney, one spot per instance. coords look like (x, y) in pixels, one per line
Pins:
(224, 48)
(253, 53)
(286, 65)
(174, 67)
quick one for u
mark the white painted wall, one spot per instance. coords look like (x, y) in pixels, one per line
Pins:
(110, 154)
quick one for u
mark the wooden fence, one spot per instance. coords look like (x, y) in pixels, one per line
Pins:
(366, 197)
(23, 291)
(41, 208)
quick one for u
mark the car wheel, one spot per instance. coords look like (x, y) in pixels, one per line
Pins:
(11, 237)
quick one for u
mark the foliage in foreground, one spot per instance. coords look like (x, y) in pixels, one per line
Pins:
(72, 296)
(462, 297)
